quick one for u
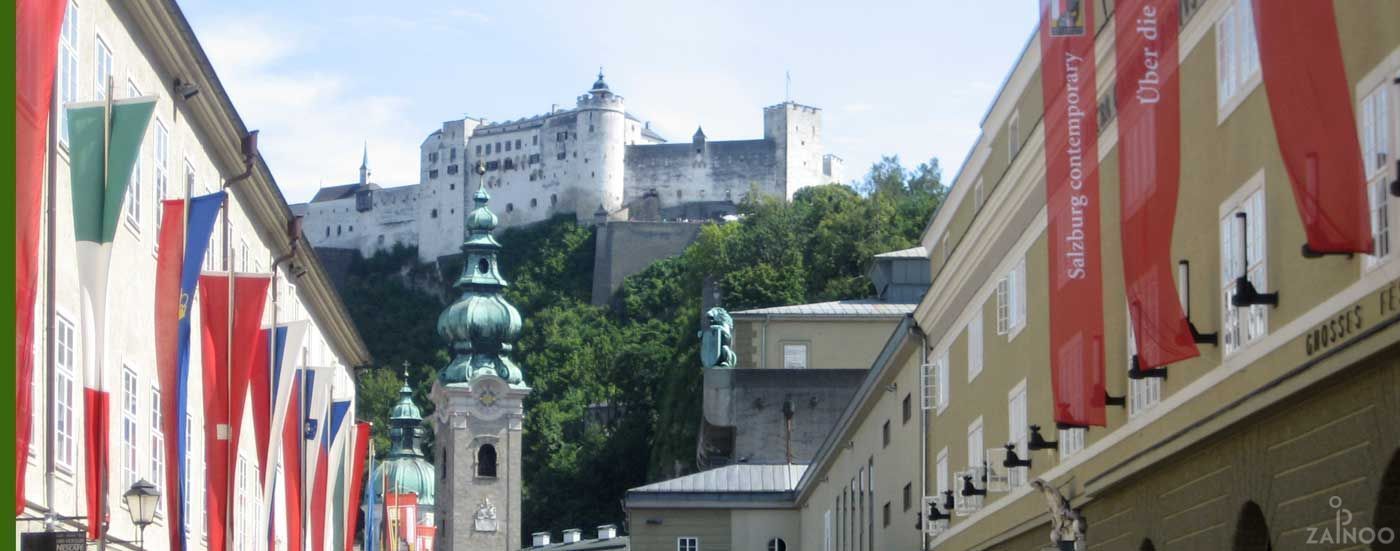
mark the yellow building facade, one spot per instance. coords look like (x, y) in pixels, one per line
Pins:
(1260, 442)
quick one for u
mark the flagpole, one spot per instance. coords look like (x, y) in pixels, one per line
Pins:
(231, 457)
(50, 311)
(102, 352)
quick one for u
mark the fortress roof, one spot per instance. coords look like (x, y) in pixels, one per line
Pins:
(333, 193)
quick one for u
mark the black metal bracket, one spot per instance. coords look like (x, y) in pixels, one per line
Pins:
(1137, 373)
(970, 490)
(1203, 338)
(1111, 400)
(1038, 442)
(1012, 460)
(1308, 252)
(1247, 295)
(1395, 186)
(935, 514)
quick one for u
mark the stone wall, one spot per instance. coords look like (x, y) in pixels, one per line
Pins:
(754, 397)
(683, 173)
(627, 247)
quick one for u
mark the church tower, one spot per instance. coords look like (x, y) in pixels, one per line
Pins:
(480, 403)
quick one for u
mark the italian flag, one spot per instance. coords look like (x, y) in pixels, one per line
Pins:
(104, 140)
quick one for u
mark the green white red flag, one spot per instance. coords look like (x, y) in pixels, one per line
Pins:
(104, 140)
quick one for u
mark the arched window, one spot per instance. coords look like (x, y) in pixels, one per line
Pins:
(553, 199)
(510, 207)
(486, 461)
(777, 544)
(533, 202)
(1252, 529)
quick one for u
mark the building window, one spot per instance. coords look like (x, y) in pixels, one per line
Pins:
(777, 544)
(65, 357)
(1013, 136)
(1071, 441)
(534, 203)
(433, 157)
(687, 544)
(561, 156)
(493, 165)
(103, 69)
(161, 156)
(453, 155)
(157, 446)
(553, 199)
(885, 514)
(133, 189)
(908, 496)
(510, 207)
(1377, 123)
(498, 147)
(509, 164)
(794, 356)
(974, 345)
(940, 471)
(517, 144)
(451, 169)
(942, 384)
(975, 451)
(432, 174)
(67, 67)
(1142, 393)
(507, 145)
(885, 434)
(1237, 55)
(907, 409)
(1011, 301)
(1243, 325)
(486, 461)
(478, 150)
(128, 449)
(1018, 430)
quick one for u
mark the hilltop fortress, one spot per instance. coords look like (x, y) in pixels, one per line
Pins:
(596, 161)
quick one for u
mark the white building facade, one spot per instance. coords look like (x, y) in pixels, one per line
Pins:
(191, 147)
(593, 159)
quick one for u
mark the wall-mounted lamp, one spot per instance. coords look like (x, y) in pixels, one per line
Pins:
(1137, 373)
(1013, 460)
(1245, 293)
(185, 90)
(1183, 291)
(1038, 442)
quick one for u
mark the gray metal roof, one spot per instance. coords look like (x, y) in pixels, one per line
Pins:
(914, 252)
(839, 308)
(731, 478)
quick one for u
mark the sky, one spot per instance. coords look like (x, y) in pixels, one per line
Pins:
(322, 78)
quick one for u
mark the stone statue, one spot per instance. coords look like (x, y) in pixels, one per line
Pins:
(717, 339)
(1067, 525)
(486, 516)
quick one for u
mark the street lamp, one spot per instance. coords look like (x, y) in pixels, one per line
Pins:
(141, 500)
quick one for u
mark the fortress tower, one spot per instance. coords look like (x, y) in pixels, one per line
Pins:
(797, 131)
(601, 129)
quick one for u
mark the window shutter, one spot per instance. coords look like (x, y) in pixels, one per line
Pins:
(1004, 304)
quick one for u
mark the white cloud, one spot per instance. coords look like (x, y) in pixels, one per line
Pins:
(312, 123)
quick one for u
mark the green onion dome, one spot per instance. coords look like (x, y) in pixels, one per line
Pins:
(405, 470)
(480, 325)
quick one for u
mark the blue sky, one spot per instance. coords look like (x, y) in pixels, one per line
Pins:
(319, 77)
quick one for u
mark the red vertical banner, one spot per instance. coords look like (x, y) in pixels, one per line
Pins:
(357, 478)
(1072, 205)
(249, 294)
(1148, 96)
(37, 23)
(292, 467)
(1300, 53)
(169, 263)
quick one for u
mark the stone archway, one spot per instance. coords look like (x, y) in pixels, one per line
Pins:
(1252, 529)
(1388, 500)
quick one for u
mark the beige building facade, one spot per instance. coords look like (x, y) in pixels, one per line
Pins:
(1260, 442)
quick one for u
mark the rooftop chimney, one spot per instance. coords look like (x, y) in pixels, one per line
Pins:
(541, 539)
(572, 535)
(607, 531)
